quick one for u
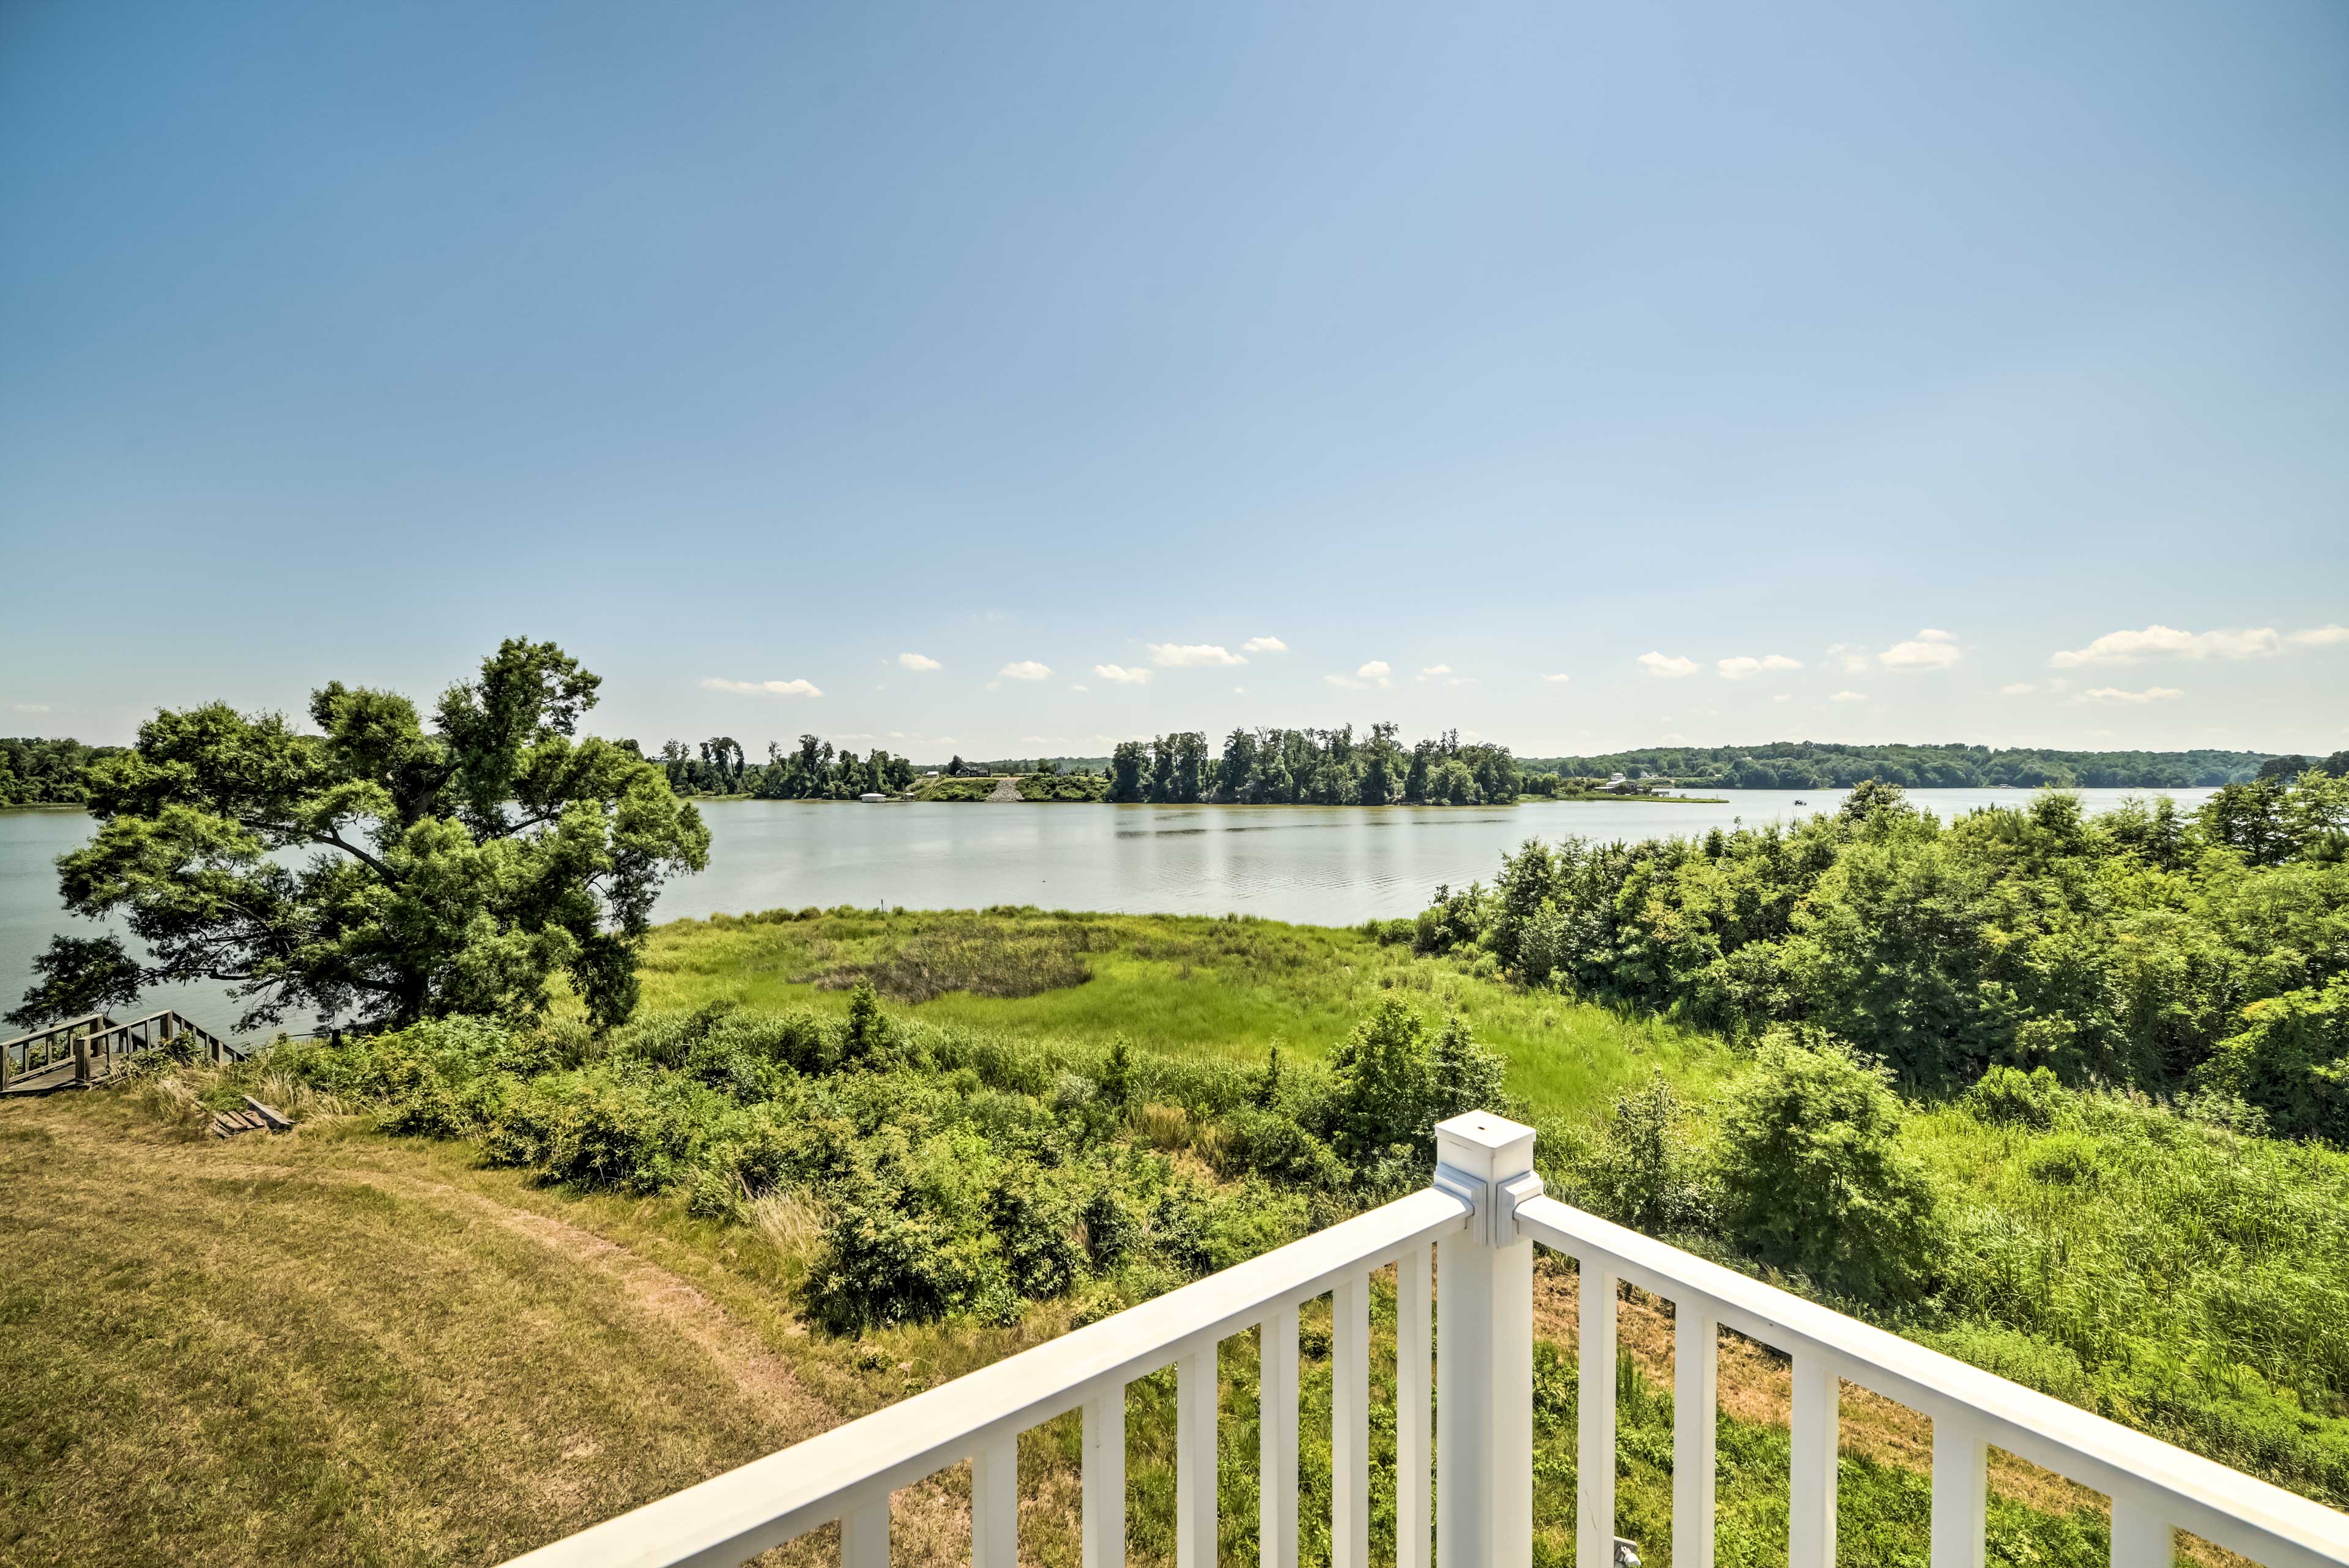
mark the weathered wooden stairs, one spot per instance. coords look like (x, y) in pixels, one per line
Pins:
(84, 1052)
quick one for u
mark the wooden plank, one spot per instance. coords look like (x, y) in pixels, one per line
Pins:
(275, 1120)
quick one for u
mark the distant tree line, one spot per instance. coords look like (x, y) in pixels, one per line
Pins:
(1312, 766)
(813, 771)
(46, 772)
(1814, 765)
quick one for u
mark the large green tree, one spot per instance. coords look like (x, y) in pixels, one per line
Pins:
(381, 869)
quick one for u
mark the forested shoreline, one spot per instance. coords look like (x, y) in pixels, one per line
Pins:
(2177, 954)
(1273, 765)
(1817, 765)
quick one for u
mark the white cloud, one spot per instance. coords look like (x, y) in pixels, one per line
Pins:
(1123, 675)
(32, 708)
(1079, 688)
(1852, 655)
(1559, 679)
(1674, 738)
(1663, 668)
(1435, 670)
(1849, 696)
(2113, 694)
(1025, 670)
(2017, 688)
(917, 662)
(1930, 650)
(1744, 664)
(1376, 673)
(756, 688)
(2129, 647)
(1179, 654)
(2320, 636)
(1264, 645)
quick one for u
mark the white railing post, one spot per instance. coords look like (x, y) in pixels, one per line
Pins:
(1696, 1401)
(1195, 1457)
(1815, 1443)
(1349, 1422)
(1276, 1442)
(994, 1504)
(1960, 1492)
(1105, 1479)
(1485, 1349)
(865, 1535)
(1594, 1420)
(1414, 1382)
(2140, 1540)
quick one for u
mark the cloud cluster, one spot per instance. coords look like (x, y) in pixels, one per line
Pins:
(2157, 641)
(1178, 654)
(917, 662)
(1744, 666)
(2113, 694)
(1928, 650)
(1849, 696)
(1558, 680)
(757, 689)
(1264, 645)
(1122, 675)
(1025, 670)
(1667, 668)
(1377, 673)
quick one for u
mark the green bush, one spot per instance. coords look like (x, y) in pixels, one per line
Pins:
(1643, 1173)
(1811, 1176)
(2290, 1061)
(1270, 1143)
(2010, 1097)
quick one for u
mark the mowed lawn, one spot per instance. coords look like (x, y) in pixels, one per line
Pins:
(335, 1347)
(1184, 985)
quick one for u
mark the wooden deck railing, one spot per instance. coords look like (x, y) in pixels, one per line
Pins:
(97, 1046)
(1485, 1214)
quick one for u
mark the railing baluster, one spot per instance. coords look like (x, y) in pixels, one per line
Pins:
(2140, 1539)
(1349, 1422)
(1195, 1454)
(1276, 1448)
(1594, 1422)
(865, 1535)
(1412, 1385)
(1960, 1492)
(1696, 1399)
(994, 1504)
(1104, 1481)
(1811, 1492)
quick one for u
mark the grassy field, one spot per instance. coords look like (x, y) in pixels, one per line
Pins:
(341, 1346)
(1182, 984)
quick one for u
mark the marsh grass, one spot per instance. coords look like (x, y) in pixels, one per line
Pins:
(1182, 986)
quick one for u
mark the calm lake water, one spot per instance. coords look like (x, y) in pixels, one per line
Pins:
(1331, 866)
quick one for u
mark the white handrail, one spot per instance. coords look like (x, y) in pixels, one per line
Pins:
(850, 1469)
(1487, 1213)
(2148, 1479)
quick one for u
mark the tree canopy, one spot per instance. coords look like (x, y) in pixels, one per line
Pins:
(379, 869)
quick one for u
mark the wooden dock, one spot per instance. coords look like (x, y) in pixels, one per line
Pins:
(84, 1052)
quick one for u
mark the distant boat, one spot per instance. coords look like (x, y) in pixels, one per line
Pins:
(873, 797)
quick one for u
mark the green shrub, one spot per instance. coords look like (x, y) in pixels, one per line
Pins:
(2290, 1061)
(1271, 1144)
(1811, 1176)
(2010, 1097)
(1643, 1173)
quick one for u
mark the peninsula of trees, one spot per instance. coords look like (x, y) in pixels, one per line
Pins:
(1815, 765)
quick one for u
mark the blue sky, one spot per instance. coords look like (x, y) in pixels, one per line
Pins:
(1974, 373)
